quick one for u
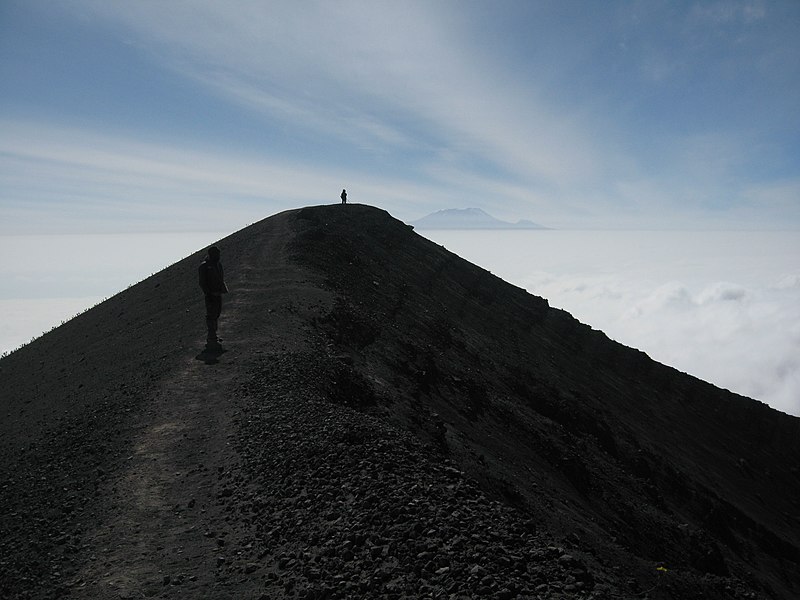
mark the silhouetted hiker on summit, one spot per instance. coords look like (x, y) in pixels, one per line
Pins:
(344, 196)
(212, 282)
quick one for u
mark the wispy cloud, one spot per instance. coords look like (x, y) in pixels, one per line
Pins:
(345, 123)
(374, 74)
(615, 114)
(100, 182)
(747, 11)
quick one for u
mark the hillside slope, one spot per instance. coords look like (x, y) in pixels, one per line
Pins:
(388, 421)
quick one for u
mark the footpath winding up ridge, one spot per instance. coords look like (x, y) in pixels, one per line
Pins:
(388, 421)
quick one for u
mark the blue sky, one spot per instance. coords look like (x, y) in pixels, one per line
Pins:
(206, 115)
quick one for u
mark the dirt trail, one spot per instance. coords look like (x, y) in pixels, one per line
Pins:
(164, 498)
(163, 528)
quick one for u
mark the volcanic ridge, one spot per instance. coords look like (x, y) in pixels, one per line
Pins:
(388, 421)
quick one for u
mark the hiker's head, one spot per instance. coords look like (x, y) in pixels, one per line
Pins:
(213, 253)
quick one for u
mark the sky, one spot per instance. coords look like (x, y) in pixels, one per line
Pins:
(201, 115)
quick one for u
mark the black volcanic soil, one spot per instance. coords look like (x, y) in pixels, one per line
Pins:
(388, 421)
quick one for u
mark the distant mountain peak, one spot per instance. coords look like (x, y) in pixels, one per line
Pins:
(469, 218)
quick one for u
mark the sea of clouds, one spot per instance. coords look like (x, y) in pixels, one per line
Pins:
(723, 306)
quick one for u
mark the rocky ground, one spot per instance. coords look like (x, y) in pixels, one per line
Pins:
(387, 422)
(361, 509)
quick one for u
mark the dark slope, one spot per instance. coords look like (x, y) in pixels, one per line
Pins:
(316, 457)
(591, 436)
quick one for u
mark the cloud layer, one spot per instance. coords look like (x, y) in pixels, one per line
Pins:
(723, 306)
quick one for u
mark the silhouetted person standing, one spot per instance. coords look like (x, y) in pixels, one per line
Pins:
(344, 196)
(212, 282)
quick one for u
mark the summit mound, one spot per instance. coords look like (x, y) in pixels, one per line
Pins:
(389, 421)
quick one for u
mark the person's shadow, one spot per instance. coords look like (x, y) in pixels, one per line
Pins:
(210, 356)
